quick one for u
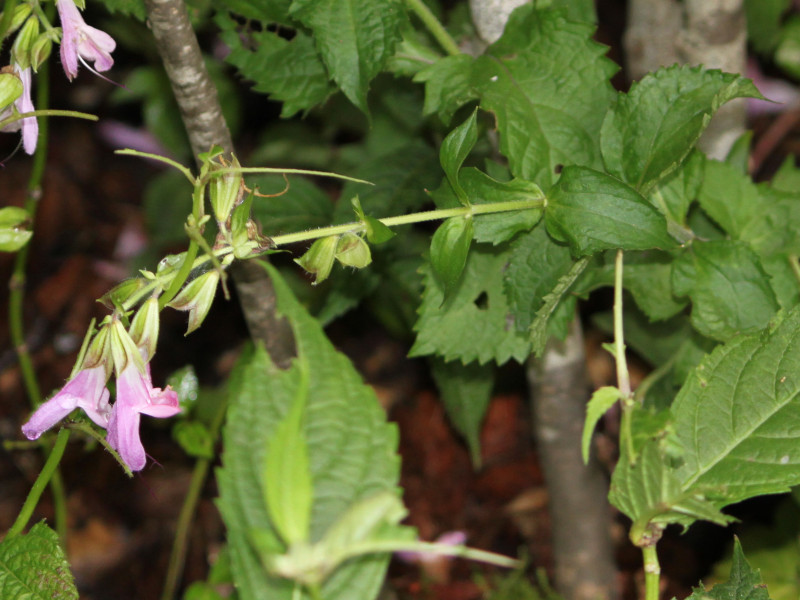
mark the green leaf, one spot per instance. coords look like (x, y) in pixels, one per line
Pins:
(466, 391)
(602, 399)
(736, 416)
(654, 127)
(649, 492)
(290, 72)
(474, 323)
(455, 148)
(447, 85)
(547, 115)
(729, 197)
(12, 235)
(449, 250)
(728, 287)
(673, 195)
(302, 206)
(135, 8)
(592, 211)
(194, 438)
(259, 10)
(351, 450)
(356, 38)
(480, 188)
(764, 23)
(377, 232)
(744, 582)
(33, 567)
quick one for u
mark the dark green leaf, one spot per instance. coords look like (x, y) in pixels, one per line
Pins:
(764, 22)
(449, 249)
(447, 85)
(268, 11)
(302, 206)
(34, 567)
(744, 582)
(674, 194)
(654, 127)
(728, 287)
(455, 148)
(592, 211)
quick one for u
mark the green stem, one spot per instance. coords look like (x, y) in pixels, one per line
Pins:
(433, 25)
(47, 112)
(48, 470)
(652, 572)
(219, 171)
(431, 215)
(623, 376)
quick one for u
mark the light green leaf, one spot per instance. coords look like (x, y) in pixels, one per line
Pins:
(12, 235)
(728, 287)
(356, 38)
(547, 116)
(449, 249)
(194, 438)
(744, 582)
(475, 322)
(466, 391)
(33, 567)
(602, 399)
(654, 127)
(592, 211)
(736, 416)
(455, 148)
(351, 449)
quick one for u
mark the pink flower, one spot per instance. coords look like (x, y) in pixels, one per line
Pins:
(81, 41)
(87, 390)
(24, 104)
(136, 395)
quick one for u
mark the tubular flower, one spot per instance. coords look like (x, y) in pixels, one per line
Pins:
(24, 104)
(81, 41)
(87, 390)
(135, 396)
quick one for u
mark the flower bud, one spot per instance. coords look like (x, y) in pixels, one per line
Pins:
(98, 351)
(21, 12)
(197, 297)
(40, 51)
(353, 251)
(318, 259)
(10, 89)
(225, 192)
(144, 327)
(123, 348)
(26, 38)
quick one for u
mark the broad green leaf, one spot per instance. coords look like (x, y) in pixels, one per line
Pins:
(33, 567)
(728, 287)
(351, 449)
(356, 38)
(649, 492)
(455, 148)
(466, 391)
(413, 54)
(592, 211)
(654, 127)
(474, 323)
(736, 416)
(447, 85)
(480, 188)
(744, 582)
(449, 249)
(547, 116)
(302, 206)
(673, 195)
(135, 8)
(601, 400)
(289, 71)
(534, 268)
(729, 197)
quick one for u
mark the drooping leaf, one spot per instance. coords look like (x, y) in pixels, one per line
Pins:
(475, 322)
(601, 400)
(546, 115)
(449, 249)
(33, 567)
(728, 287)
(466, 391)
(351, 449)
(592, 211)
(744, 582)
(654, 127)
(455, 148)
(356, 38)
(736, 416)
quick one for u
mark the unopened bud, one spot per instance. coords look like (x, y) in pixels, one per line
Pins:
(318, 260)
(40, 51)
(98, 351)
(21, 12)
(197, 297)
(353, 251)
(123, 349)
(225, 192)
(144, 327)
(26, 38)
(10, 89)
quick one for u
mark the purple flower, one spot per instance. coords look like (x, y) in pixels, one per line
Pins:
(87, 390)
(81, 41)
(24, 104)
(136, 395)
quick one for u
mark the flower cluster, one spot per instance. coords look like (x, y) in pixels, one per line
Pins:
(128, 353)
(79, 43)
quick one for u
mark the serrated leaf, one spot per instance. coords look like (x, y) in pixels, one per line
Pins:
(654, 127)
(475, 322)
(448, 85)
(455, 148)
(449, 249)
(545, 120)
(736, 416)
(649, 492)
(33, 567)
(592, 211)
(744, 582)
(356, 38)
(351, 448)
(466, 391)
(728, 287)
(602, 399)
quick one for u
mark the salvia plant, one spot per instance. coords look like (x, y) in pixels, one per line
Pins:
(540, 183)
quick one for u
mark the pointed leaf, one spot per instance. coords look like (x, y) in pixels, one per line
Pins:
(744, 582)
(455, 148)
(449, 249)
(602, 400)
